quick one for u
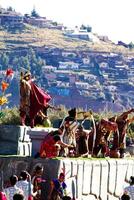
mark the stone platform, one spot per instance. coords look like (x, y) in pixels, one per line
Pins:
(14, 140)
(87, 179)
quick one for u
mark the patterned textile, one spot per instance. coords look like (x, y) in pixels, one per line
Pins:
(130, 191)
(49, 147)
(10, 191)
(26, 188)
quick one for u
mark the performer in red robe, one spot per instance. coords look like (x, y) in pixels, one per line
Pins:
(32, 98)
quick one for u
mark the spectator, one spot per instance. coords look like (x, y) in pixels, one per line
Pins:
(37, 180)
(130, 189)
(18, 197)
(125, 196)
(25, 185)
(57, 188)
(13, 189)
(2, 196)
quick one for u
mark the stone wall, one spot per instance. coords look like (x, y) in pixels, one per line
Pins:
(86, 178)
(14, 140)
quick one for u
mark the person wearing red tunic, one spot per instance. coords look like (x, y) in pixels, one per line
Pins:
(51, 146)
(123, 122)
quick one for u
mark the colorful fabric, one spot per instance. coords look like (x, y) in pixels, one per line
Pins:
(130, 191)
(11, 191)
(38, 99)
(25, 187)
(4, 86)
(49, 147)
(2, 196)
(9, 72)
(59, 187)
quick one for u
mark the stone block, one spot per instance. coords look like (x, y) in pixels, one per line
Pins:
(79, 179)
(87, 177)
(112, 175)
(37, 136)
(95, 183)
(14, 133)
(122, 166)
(104, 179)
(88, 197)
(129, 169)
(14, 140)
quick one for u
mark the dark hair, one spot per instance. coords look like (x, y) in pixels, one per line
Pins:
(56, 138)
(62, 175)
(24, 175)
(66, 198)
(132, 180)
(125, 197)
(38, 168)
(13, 179)
(18, 197)
(72, 112)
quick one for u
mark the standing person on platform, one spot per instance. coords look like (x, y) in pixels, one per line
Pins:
(99, 143)
(81, 142)
(13, 189)
(57, 188)
(32, 98)
(25, 89)
(123, 122)
(69, 126)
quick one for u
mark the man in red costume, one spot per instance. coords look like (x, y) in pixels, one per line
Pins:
(32, 98)
(97, 140)
(123, 122)
(51, 146)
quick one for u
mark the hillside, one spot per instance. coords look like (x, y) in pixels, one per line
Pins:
(32, 36)
(75, 72)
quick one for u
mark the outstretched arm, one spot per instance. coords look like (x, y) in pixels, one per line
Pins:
(53, 107)
(64, 145)
(126, 113)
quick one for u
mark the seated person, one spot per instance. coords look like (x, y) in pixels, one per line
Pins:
(51, 146)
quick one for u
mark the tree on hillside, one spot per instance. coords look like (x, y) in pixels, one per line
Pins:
(131, 45)
(10, 8)
(4, 60)
(34, 13)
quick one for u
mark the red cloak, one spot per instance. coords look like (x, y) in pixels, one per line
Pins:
(38, 99)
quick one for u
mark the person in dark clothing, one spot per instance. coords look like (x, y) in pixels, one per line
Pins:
(57, 188)
(81, 141)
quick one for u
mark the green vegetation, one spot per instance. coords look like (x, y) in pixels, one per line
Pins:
(11, 117)
(30, 61)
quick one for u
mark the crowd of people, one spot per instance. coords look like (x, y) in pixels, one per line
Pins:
(30, 187)
(27, 187)
(107, 137)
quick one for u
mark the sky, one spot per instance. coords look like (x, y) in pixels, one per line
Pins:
(113, 18)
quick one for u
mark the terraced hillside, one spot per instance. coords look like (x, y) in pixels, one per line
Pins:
(32, 36)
